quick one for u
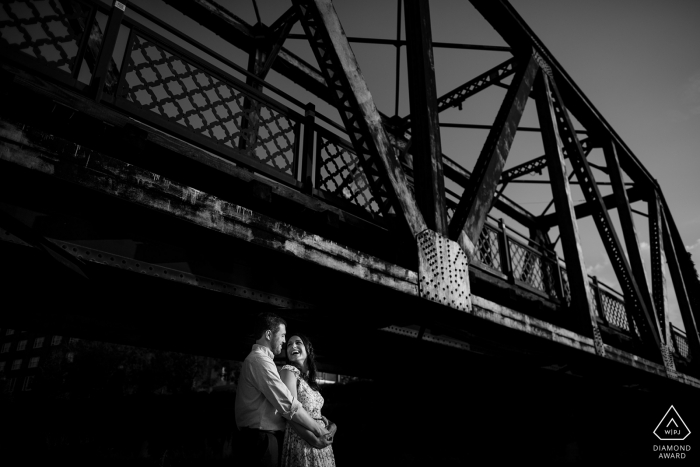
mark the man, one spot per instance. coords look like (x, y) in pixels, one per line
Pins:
(263, 401)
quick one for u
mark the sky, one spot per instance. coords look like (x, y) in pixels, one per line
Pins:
(636, 60)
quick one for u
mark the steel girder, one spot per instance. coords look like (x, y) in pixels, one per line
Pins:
(357, 110)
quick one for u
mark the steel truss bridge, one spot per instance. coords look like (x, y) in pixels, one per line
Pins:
(156, 192)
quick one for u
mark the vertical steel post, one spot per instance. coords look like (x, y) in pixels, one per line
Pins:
(108, 42)
(251, 108)
(307, 154)
(506, 265)
(426, 148)
(398, 57)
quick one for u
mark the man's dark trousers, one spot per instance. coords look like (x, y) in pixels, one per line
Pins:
(261, 448)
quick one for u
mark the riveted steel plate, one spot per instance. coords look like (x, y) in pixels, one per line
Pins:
(444, 276)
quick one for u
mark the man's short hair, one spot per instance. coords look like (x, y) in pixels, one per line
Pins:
(265, 321)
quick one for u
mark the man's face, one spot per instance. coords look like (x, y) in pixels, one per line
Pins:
(278, 339)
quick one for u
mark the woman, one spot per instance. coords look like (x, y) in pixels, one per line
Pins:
(301, 447)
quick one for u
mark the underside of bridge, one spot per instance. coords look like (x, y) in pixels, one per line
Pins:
(154, 192)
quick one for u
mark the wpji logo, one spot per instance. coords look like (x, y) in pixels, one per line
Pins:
(671, 427)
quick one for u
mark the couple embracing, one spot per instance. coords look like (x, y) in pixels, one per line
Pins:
(279, 414)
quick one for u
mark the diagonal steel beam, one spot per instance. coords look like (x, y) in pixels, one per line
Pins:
(260, 60)
(357, 110)
(582, 210)
(629, 230)
(538, 164)
(513, 29)
(279, 31)
(457, 96)
(635, 304)
(674, 250)
(477, 198)
(38, 241)
(582, 301)
(239, 33)
(658, 258)
(684, 262)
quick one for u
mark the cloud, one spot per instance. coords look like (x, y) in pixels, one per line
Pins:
(596, 270)
(693, 246)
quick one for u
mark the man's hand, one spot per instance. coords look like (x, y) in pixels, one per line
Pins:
(321, 431)
(330, 426)
(324, 441)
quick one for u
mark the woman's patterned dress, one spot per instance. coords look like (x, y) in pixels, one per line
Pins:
(296, 452)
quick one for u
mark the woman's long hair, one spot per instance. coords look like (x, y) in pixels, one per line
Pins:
(310, 377)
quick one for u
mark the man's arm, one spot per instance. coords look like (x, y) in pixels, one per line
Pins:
(276, 392)
(310, 436)
(303, 418)
(315, 441)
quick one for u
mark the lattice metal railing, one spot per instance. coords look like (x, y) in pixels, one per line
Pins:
(186, 93)
(530, 267)
(614, 310)
(338, 171)
(51, 32)
(680, 342)
(170, 85)
(488, 248)
(540, 272)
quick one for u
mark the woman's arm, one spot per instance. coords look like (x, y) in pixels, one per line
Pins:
(319, 442)
(330, 426)
(312, 439)
(290, 380)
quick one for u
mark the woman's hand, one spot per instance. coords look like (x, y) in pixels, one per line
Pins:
(330, 426)
(318, 442)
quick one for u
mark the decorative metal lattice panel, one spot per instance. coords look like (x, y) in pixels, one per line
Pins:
(528, 267)
(488, 248)
(614, 310)
(680, 343)
(178, 90)
(49, 31)
(339, 172)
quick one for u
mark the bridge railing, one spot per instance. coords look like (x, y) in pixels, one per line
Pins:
(679, 342)
(165, 85)
(339, 176)
(508, 254)
(52, 38)
(186, 89)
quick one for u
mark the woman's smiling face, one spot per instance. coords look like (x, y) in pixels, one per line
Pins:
(296, 350)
